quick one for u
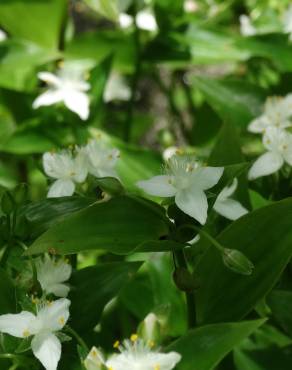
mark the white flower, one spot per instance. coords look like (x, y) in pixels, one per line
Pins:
(94, 360)
(136, 355)
(101, 160)
(190, 6)
(185, 180)
(3, 36)
(125, 20)
(228, 207)
(287, 22)
(116, 89)
(278, 142)
(277, 113)
(146, 21)
(68, 86)
(67, 171)
(45, 345)
(246, 26)
(52, 274)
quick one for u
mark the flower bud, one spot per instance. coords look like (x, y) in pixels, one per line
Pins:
(184, 280)
(237, 261)
(150, 329)
(94, 360)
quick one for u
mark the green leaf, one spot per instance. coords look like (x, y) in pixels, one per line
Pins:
(266, 242)
(236, 102)
(93, 287)
(107, 8)
(280, 302)
(36, 21)
(7, 293)
(203, 348)
(118, 226)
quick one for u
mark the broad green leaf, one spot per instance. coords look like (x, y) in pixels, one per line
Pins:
(266, 242)
(280, 302)
(7, 293)
(107, 8)
(18, 63)
(203, 348)
(118, 226)
(93, 287)
(38, 21)
(236, 102)
(43, 214)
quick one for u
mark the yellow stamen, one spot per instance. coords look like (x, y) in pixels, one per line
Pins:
(157, 367)
(116, 344)
(62, 320)
(26, 333)
(134, 337)
(151, 343)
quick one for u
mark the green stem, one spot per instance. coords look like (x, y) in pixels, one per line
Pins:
(77, 337)
(206, 236)
(190, 296)
(135, 79)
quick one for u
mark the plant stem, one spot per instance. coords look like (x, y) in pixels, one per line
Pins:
(190, 296)
(135, 79)
(77, 337)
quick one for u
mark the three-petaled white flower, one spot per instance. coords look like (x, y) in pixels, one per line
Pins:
(135, 354)
(187, 181)
(101, 160)
(246, 26)
(66, 169)
(227, 207)
(68, 86)
(277, 113)
(52, 274)
(50, 319)
(278, 142)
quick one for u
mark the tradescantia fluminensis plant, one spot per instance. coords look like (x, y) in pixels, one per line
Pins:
(145, 185)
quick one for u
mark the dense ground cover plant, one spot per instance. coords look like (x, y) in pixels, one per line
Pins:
(145, 185)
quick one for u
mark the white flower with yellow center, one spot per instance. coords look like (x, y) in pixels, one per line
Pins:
(277, 113)
(101, 160)
(227, 207)
(50, 319)
(68, 86)
(52, 274)
(187, 181)
(135, 354)
(66, 169)
(278, 143)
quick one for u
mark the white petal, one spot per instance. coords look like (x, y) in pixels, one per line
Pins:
(49, 78)
(61, 188)
(228, 191)
(49, 97)
(94, 360)
(230, 209)
(18, 325)
(206, 177)
(194, 203)
(146, 20)
(259, 124)
(47, 349)
(59, 290)
(266, 164)
(54, 315)
(167, 361)
(80, 166)
(78, 102)
(287, 154)
(160, 186)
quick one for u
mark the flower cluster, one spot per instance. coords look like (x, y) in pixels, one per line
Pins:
(69, 169)
(273, 124)
(134, 354)
(48, 318)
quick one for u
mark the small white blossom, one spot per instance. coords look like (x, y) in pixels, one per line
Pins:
(66, 169)
(287, 22)
(227, 207)
(246, 26)
(101, 160)
(187, 181)
(116, 89)
(277, 112)
(52, 274)
(146, 20)
(50, 319)
(136, 355)
(190, 6)
(278, 143)
(3, 36)
(68, 86)
(125, 20)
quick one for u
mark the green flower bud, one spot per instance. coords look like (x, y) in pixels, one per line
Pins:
(184, 280)
(150, 329)
(237, 261)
